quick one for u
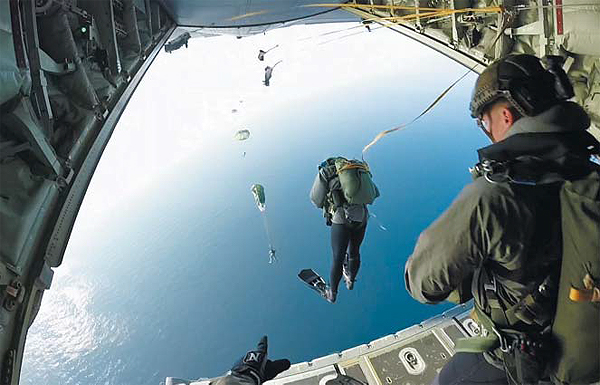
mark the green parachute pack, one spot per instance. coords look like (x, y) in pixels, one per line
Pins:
(356, 181)
(573, 353)
(576, 326)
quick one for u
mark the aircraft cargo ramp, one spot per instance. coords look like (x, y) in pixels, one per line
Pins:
(412, 356)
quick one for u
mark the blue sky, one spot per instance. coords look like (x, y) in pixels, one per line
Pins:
(166, 272)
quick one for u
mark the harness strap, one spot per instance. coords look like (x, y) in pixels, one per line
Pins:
(491, 337)
(532, 309)
(497, 309)
(486, 341)
(526, 311)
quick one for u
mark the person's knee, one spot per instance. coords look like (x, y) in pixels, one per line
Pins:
(354, 255)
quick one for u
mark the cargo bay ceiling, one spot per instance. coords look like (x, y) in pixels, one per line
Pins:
(69, 67)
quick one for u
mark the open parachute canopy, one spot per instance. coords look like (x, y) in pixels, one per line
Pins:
(242, 135)
(259, 196)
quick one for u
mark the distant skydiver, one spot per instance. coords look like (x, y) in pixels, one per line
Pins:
(343, 188)
(269, 73)
(258, 191)
(261, 53)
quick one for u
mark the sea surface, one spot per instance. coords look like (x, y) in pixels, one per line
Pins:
(167, 273)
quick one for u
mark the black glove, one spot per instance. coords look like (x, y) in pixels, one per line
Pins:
(256, 365)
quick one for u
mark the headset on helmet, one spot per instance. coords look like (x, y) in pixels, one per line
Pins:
(523, 82)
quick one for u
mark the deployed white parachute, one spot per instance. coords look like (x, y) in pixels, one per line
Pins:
(242, 135)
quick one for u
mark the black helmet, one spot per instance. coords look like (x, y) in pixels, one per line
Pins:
(523, 82)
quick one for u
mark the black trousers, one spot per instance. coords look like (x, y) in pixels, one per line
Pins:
(470, 369)
(345, 241)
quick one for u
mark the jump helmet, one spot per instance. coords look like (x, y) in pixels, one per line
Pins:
(523, 82)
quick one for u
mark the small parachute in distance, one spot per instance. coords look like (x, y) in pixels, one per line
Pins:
(258, 191)
(242, 135)
(259, 196)
(233, 110)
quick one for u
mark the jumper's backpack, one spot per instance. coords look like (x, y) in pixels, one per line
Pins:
(356, 181)
(576, 326)
(349, 182)
(573, 352)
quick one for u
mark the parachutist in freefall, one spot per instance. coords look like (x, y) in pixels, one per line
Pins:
(343, 188)
(272, 257)
(261, 53)
(269, 74)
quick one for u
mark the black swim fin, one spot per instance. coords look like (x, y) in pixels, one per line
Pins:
(314, 281)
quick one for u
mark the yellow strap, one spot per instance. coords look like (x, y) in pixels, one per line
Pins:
(433, 12)
(401, 127)
(584, 295)
(405, 8)
(384, 133)
(247, 15)
(591, 293)
(353, 166)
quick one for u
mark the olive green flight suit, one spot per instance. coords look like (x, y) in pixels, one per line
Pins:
(503, 230)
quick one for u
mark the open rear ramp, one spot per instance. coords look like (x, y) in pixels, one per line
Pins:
(412, 356)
